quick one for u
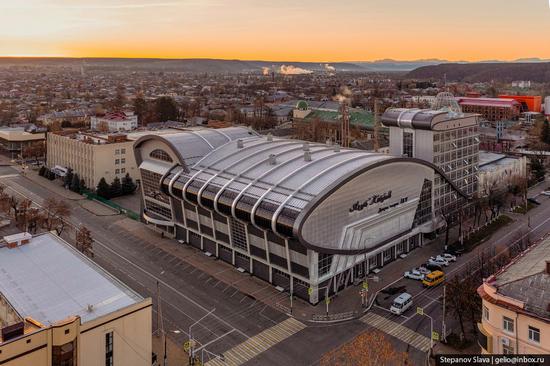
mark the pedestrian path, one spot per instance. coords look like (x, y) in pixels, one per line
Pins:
(398, 331)
(259, 343)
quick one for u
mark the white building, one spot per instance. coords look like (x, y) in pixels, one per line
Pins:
(308, 217)
(497, 171)
(114, 121)
(57, 307)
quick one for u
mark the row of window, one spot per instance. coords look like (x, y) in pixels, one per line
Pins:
(120, 151)
(508, 325)
(120, 161)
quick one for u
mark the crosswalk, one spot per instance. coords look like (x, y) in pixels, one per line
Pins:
(398, 331)
(259, 343)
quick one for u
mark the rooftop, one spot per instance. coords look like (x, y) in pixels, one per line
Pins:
(526, 279)
(357, 117)
(48, 280)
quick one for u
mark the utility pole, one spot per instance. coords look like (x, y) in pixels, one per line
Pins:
(160, 323)
(443, 325)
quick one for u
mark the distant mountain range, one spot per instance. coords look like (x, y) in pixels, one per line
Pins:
(482, 72)
(242, 66)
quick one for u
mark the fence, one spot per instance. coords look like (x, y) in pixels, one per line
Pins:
(334, 317)
(94, 197)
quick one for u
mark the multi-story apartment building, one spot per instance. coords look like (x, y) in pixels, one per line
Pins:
(492, 109)
(449, 140)
(516, 305)
(57, 308)
(92, 156)
(114, 122)
(96, 155)
(310, 218)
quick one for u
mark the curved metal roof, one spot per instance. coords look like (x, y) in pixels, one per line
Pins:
(411, 117)
(192, 145)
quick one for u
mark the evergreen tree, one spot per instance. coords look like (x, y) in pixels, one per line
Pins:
(166, 109)
(128, 185)
(75, 184)
(82, 185)
(116, 188)
(68, 178)
(103, 189)
(545, 135)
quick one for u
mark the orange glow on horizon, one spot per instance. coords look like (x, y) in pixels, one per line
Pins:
(308, 30)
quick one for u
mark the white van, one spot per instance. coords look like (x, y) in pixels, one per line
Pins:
(401, 303)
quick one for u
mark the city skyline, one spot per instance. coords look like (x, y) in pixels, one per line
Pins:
(286, 31)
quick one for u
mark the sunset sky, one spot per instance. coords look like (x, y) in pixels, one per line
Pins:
(280, 30)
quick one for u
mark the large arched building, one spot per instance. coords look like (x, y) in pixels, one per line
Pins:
(308, 217)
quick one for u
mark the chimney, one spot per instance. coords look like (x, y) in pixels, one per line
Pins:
(240, 144)
(272, 159)
(337, 148)
(307, 156)
(269, 137)
(305, 146)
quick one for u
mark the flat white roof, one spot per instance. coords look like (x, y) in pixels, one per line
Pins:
(49, 280)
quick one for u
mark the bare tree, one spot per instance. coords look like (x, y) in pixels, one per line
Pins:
(56, 213)
(84, 241)
(370, 348)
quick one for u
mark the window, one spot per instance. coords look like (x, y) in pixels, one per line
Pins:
(64, 355)
(485, 313)
(238, 234)
(117, 151)
(117, 171)
(160, 155)
(325, 261)
(507, 324)
(123, 151)
(123, 170)
(123, 161)
(151, 186)
(507, 347)
(408, 144)
(109, 349)
(534, 334)
(117, 161)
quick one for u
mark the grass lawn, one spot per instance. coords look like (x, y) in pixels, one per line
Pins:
(521, 209)
(482, 234)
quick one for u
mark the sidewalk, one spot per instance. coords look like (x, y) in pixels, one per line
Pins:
(346, 301)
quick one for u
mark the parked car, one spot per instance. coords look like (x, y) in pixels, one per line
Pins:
(449, 257)
(533, 201)
(414, 274)
(433, 266)
(401, 303)
(546, 193)
(456, 252)
(423, 270)
(438, 260)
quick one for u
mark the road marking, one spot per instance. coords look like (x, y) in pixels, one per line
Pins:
(259, 343)
(397, 330)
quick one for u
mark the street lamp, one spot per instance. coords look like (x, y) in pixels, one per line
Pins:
(420, 311)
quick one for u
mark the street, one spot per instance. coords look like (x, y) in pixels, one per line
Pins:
(242, 326)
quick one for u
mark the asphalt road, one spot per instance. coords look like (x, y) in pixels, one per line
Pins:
(188, 294)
